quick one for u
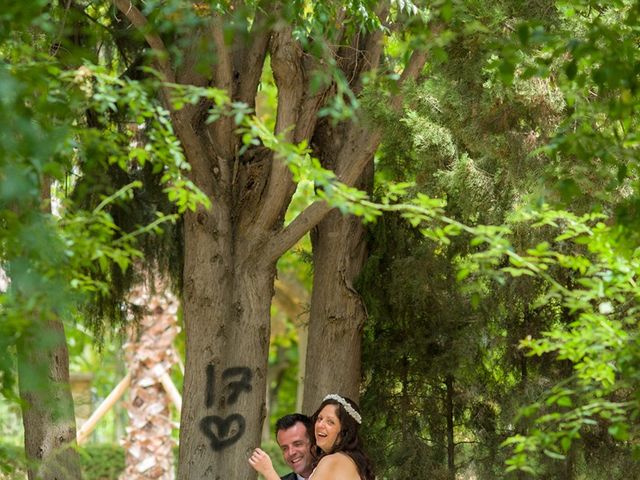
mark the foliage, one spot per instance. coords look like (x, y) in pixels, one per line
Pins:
(99, 461)
(102, 461)
(465, 137)
(485, 161)
(426, 329)
(13, 461)
(591, 55)
(51, 261)
(55, 117)
(601, 343)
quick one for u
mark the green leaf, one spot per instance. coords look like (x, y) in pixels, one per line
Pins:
(564, 402)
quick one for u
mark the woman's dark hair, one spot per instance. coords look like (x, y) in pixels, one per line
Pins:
(348, 440)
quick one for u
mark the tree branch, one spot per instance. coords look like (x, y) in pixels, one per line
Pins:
(250, 62)
(357, 151)
(286, 56)
(289, 236)
(187, 71)
(312, 65)
(222, 131)
(139, 21)
(363, 55)
(414, 67)
(308, 117)
(369, 140)
(181, 120)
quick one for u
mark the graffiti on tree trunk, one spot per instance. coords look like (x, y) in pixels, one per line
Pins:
(223, 432)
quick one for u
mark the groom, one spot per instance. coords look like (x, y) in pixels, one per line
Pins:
(293, 434)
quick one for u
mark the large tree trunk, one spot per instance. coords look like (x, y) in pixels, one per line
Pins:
(47, 414)
(226, 311)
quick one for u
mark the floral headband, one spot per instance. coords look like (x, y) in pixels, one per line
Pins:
(346, 405)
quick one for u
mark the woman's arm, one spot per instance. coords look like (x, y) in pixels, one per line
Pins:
(261, 463)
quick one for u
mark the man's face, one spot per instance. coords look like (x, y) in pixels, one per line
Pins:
(295, 445)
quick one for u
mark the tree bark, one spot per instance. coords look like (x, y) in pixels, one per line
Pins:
(451, 447)
(43, 381)
(48, 416)
(337, 313)
(226, 312)
(150, 354)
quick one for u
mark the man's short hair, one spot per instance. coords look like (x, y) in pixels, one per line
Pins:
(288, 421)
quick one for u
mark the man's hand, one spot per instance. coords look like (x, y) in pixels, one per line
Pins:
(261, 463)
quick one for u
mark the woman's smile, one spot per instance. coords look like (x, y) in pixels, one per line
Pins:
(327, 428)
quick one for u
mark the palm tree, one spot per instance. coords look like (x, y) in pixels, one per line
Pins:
(149, 355)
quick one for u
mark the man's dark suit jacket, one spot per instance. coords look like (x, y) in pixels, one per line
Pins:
(290, 476)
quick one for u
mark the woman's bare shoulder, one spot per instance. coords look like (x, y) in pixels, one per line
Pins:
(338, 466)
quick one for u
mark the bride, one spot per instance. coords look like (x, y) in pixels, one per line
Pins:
(339, 451)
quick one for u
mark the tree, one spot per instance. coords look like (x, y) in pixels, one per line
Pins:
(150, 356)
(591, 55)
(37, 298)
(48, 257)
(474, 139)
(231, 249)
(43, 372)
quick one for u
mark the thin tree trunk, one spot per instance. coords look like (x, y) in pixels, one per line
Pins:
(150, 354)
(521, 426)
(405, 399)
(303, 342)
(48, 414)
(451, 462)
(337, 313)
(570, 464)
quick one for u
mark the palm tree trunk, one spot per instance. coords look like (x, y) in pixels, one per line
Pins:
(150, 355)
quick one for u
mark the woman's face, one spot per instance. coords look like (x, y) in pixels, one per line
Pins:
(327, 428)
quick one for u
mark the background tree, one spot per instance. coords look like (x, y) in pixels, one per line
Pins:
(469, 138)
(150, 355)
(47, 258)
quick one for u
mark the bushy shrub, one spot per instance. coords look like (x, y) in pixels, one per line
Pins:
(101, 461)
(12, 462)
(98, 461)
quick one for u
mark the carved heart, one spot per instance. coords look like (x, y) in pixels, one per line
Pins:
(219, 436)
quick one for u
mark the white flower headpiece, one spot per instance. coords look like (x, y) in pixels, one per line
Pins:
(346, 405)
